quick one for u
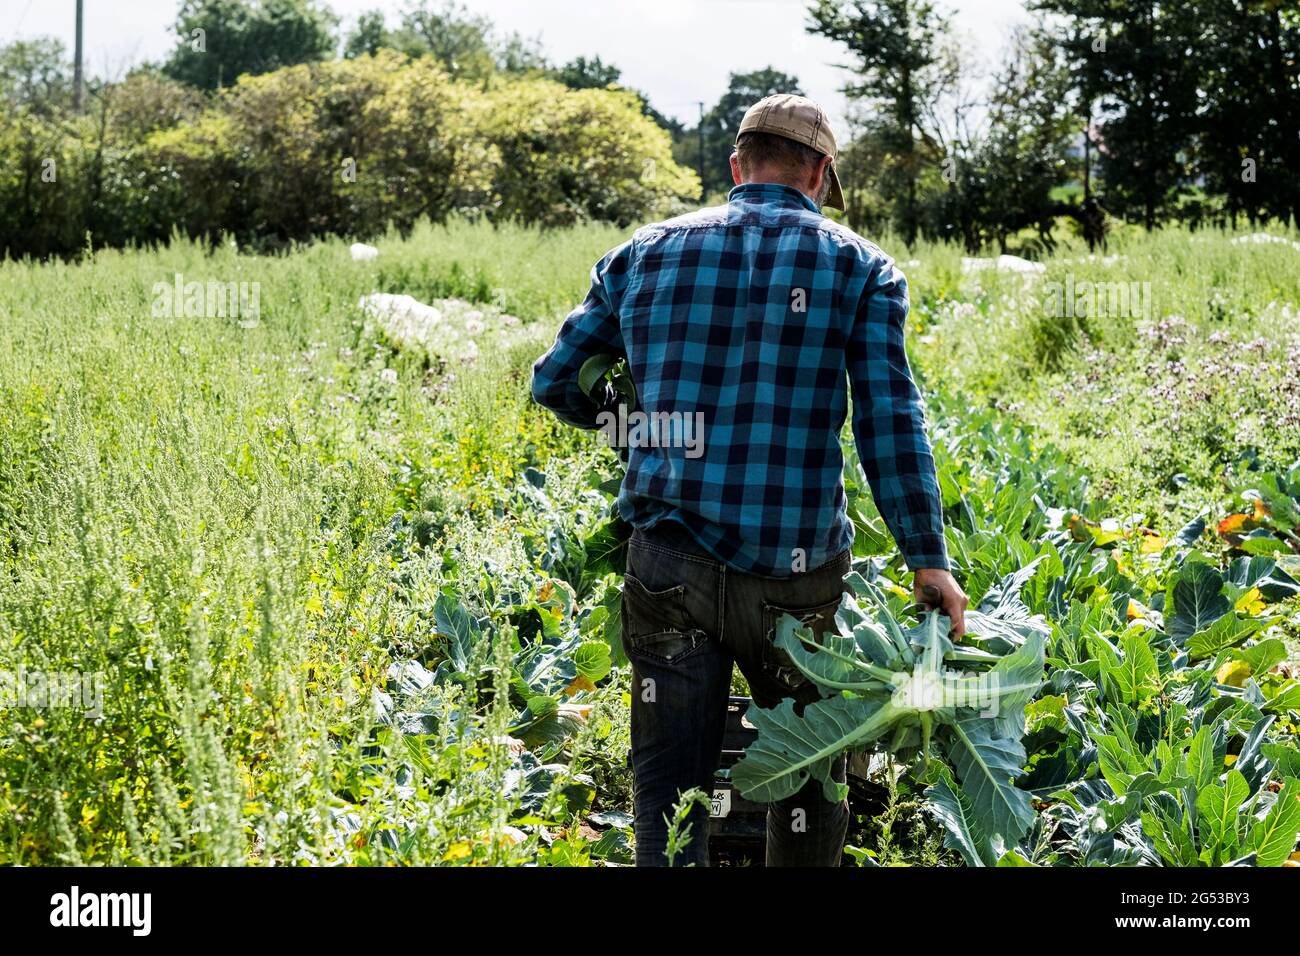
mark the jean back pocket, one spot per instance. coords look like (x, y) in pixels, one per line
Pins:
(776, 662)
(656, 624)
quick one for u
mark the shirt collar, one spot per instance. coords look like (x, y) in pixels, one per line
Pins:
(771, 192)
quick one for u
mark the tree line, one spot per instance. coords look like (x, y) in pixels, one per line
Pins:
(1140, 111)
(269, 123)
(254, 128)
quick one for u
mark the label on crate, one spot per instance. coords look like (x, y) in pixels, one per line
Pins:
(721, 803)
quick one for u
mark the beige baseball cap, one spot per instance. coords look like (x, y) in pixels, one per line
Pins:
(800, 119)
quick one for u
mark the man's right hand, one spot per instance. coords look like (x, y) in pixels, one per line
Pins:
(937, 588)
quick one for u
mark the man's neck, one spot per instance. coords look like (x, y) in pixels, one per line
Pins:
(759, 179)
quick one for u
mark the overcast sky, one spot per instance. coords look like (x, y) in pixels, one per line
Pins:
(678, 51)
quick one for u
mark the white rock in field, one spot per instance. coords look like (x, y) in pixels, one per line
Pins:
(1016, 264)
(1257, 238)
(404, 319)
(363, 253)
(1002, 264)
(445, 330)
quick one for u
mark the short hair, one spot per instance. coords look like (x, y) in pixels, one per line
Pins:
(768, 149)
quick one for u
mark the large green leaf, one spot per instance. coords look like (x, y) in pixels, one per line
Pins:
(1203, 762)
(870, 536)
(1274, 837)
(1285, 758)
(1283, 698)
(980, 713)
(791, 749)
(986, 767)
(592, 660)
(1137, 677)
(1228, 631)
(952, 808)
(593, 371)
(834, 664)
(1017, 678)
(1189, 533)
(1013, 858)
(1198, 600)
(1263, 656)
(612, 631)
(1168, 831)
(455, 626)
(1007, 623)
(1263, 573)
(1119, 764)
(1218, 807)
(605, 549)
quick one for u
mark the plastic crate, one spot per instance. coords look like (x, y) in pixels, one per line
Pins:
(738, 827)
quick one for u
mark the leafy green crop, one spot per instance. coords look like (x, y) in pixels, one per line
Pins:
(914, 689)
(1163, 732)
(343, 619)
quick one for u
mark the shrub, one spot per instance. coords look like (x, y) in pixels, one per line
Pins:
(346, 147)
(574, 155)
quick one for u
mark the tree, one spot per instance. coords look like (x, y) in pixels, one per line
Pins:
(467, 46)
(220, 40)
(368, 37)
(146, 101)
(569, 156)
(1249, 147)
(905, 64)
(519, 55)
(1136, 62)
(583, 74)
(1024, 155)
(722, 122)
(459, 40)
(463, 43)
(34, 74)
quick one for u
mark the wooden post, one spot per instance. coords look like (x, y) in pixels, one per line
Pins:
(703, 188)
(78, 78)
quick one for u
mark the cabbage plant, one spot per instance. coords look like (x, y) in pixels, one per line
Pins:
(909, 690)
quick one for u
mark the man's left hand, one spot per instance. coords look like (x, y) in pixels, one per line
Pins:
(937, 588)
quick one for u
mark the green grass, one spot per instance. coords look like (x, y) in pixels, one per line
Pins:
(1156, 406)
(242, 528)
(201, 511)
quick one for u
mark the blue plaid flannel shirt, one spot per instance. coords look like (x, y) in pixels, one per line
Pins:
(752, 314)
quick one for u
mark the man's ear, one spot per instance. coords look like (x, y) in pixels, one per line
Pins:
(820, 174)
(735, 168)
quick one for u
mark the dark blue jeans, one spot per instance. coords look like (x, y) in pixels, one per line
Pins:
(686, 619)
